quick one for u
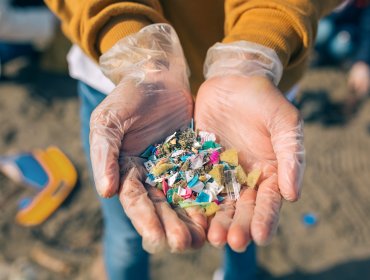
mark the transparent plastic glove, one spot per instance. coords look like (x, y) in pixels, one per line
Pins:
(246, 111)
(151, 101)
(359, 79)
(159, 225)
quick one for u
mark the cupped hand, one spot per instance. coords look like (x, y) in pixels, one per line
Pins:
(134, 116)
(251, 115)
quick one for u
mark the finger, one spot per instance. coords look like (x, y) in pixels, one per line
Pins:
(287, 141)
(177, 232)
(197, 216)
(196, 220)
(141, 211)
(239, 234)
(266, 211)
(220, 223)
(105, 142)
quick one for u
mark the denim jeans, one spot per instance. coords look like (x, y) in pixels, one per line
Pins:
(123, 254)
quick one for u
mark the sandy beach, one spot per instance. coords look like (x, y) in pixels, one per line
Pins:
(40, 107)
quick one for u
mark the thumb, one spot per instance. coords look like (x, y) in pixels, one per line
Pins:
(106, 134)
(287, 142)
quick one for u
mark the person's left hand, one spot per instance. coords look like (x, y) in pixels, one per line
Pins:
(251, 115)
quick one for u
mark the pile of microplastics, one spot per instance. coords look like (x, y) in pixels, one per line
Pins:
(192, 169)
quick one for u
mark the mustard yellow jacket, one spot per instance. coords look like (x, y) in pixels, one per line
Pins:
(286, 26)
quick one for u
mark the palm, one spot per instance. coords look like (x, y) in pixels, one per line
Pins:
(251, 115)
(144, 114)
(130, 119)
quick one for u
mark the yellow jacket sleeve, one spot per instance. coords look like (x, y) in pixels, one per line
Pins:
(286, 26)
(96, 25)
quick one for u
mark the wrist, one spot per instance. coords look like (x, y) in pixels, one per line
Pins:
(243, 58)
(152, 54)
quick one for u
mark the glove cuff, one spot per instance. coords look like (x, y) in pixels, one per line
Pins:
(143, 55)
(243, 58)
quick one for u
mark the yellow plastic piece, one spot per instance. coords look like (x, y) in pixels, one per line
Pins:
(230, 156)
(241, 176)
(159, 169)
(211, 209)
(62, 179)
(253, 178)
(217, 174)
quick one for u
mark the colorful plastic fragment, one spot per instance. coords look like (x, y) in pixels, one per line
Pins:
(203, 197)
(161, 168)
(217, 173)
(197, 187)
(309, 219)
(206, 136)
(230, 156)
(211, 209)
(241, 176)
(253, 178)
(214, 158)
(231, 185)
(193, 170)
(165, 187)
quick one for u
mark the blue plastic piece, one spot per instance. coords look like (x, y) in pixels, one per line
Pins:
(193, 181)
(33, 173)
(202, 197)
(309, 219)
(151, 176)
(148, 152)
(220, 198)
(184, 158)
(152, 158)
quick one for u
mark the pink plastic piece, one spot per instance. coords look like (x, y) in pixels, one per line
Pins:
(214, 157)
(188, 193)
(165, 187)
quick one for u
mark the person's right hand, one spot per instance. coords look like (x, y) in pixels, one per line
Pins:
(151, 101)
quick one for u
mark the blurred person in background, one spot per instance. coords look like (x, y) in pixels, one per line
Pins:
(26, 28)
(262, 51)
(344, 39)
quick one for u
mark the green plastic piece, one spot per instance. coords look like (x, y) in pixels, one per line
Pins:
(210, 145)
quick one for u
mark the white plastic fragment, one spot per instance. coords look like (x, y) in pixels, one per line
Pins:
(149, 165)
(170, 137)
(197, 161)
(181, 191)
(212, 194)
(198, 187)
(172, 179)
(197, 145)
(231, 184)
(150, 182)
(213, 186)
(189, 175)
(177, 153)
(207, 136)
(158, 180)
